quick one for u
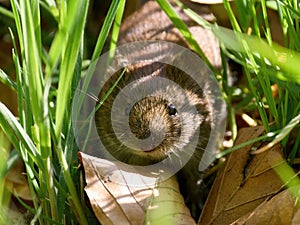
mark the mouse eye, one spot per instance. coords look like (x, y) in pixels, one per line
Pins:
(172, 110)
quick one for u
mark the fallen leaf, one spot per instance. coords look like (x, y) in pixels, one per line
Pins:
(296, 218)
(16, 181)
(243, 183)
(279, 210)
(119, 195)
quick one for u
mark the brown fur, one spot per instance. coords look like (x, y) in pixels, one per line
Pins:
(150, 23)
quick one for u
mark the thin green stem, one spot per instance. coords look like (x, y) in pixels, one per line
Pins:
(183, 28)
(69, 181)
(116, 28)
(6, 12)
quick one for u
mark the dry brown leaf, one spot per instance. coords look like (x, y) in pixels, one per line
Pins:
(296, 218)
(16, 181)
(122, 196)
(243, 183)
(279, 210)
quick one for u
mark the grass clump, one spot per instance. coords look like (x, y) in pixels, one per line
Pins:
(272, 76)
(47, 76)
(42, 134)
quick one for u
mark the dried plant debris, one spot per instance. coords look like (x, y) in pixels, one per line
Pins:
(248, 185)
(122, 196)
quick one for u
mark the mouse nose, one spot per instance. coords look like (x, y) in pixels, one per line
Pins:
(140, 128)
(149, 133)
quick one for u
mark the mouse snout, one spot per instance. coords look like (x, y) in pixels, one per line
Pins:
(147, 124)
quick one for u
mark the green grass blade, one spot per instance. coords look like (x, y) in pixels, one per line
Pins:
(76, 17)
(13, 129)
(32, 57)
(232, 19)
(6, 12)
(193, 15)
(31, 34)
(111, 14)
(183, 28)
(38, 96)
(26, 123)
(97, 51)
(294, 150)
(286, 59)
(51, 7)
(289, 178)
(91, 116)
(5, 79)
(236, 147)
(275, 54)
(15, 6)
(67, 45)
(116, 28)
(283, 133)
